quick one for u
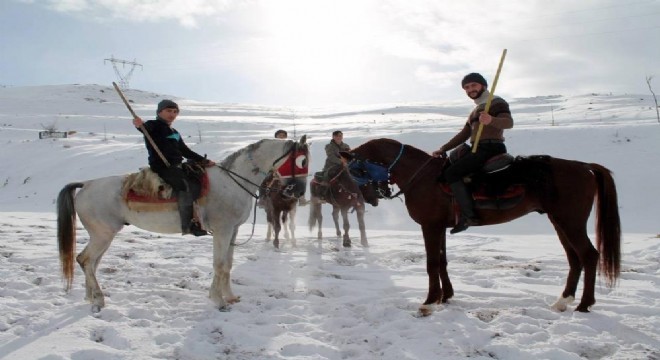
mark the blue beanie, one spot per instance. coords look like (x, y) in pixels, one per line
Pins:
(474, 77)
(166, 104)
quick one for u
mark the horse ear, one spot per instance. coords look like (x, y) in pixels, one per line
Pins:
(303, 139)
(346, 155)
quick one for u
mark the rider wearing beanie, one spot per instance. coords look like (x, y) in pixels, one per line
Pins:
(174, 150)
(491, 143)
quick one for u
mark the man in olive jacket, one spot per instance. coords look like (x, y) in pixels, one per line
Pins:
(332, 150)
(174, 149)
(491, 143)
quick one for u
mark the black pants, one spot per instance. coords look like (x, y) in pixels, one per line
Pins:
(174, 176)
(473, 162)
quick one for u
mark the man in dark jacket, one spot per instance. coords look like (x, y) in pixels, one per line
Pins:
(174, 150)
(491, 143)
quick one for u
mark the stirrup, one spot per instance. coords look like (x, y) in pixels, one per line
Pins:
(195, 229)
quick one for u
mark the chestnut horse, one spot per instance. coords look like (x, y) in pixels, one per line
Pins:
(565, 190)
(343, 193)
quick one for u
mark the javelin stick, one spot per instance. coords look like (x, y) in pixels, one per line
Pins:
(144, 130)
(490, 100)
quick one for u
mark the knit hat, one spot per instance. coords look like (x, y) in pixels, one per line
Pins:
(166, 104)
(474, 77)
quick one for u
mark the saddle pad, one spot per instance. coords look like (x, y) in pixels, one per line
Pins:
(139, 202)
(513, 191)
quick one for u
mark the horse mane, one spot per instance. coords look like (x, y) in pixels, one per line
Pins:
(409, 150)
(229, 160)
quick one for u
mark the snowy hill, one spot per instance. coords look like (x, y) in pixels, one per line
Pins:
(319, 301)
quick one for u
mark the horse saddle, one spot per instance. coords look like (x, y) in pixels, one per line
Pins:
(319, 186)
(146, 191)
(485, 194)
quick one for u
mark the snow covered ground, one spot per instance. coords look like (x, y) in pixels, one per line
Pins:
(319, 301)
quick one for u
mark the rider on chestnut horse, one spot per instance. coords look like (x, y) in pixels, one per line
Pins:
(491, 143)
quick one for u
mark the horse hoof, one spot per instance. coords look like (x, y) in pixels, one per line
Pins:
(224, 308)
(96, 309)
(583, 308)
(234, 300)
(425, 310)
(562, 303)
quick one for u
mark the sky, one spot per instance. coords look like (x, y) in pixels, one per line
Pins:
(312, 53)
(318, 300)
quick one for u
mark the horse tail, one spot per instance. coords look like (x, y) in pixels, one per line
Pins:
(314, 210)
(66, 230)
(608, 224)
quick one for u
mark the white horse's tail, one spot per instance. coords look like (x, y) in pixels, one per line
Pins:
(66, 230)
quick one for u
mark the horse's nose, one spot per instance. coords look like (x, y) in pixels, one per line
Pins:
(296, 187)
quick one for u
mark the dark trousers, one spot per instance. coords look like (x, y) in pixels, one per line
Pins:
(471, 163)
(185, 189)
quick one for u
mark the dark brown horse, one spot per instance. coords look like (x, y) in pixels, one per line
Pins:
(280, 207)
(343, 193)
(565, 190)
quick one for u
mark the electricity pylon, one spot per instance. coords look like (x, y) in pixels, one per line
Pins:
(123, 78)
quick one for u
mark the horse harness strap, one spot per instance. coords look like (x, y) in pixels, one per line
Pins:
(412, 178)
(232, 174)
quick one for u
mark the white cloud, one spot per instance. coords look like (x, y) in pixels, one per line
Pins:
(186, 12)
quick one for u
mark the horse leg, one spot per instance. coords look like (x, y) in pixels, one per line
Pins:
(347, 226)
(335, 218)
(363, 231)
(223, 237)
(100, 238)
(284, 220)
(581, 254)
(226, 286)
(269, 231)
(292, 224)
(277, 226)
(435, 261)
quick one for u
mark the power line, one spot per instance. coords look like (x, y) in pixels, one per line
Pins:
(123, 78)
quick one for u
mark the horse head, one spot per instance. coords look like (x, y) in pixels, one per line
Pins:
(292, 168)
(371, 177)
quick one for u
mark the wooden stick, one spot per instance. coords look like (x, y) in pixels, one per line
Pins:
(490, 100)
(144, 130)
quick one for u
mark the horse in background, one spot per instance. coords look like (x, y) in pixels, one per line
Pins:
(565, 190)
(343, 193)
(232, 184)
(280, 208)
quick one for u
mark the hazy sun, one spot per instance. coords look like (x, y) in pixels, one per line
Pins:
(321, 46)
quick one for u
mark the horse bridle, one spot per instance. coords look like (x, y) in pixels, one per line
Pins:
(406, 186)
(233, 175)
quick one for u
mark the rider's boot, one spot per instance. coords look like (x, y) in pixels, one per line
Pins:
(188, 226)
(464, 199)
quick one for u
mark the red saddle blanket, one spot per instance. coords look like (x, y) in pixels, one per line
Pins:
(511, 196)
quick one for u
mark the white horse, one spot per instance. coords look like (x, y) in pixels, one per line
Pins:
(104, 212)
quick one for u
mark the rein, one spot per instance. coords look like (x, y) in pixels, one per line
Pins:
(406, 186)
(254, 195)
(411, 180)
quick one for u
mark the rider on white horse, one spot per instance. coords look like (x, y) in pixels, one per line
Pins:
(173, 148)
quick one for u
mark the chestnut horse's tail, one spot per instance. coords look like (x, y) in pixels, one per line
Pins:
(608, 224)
(314, 213)
(66, 230)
